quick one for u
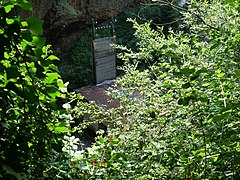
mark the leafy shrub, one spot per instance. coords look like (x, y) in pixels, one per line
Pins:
(30, 87)
(178, 119)
(76, 63)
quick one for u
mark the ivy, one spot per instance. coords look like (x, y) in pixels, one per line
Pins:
(30, 87)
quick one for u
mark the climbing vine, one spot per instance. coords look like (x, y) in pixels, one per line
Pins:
(30, 87)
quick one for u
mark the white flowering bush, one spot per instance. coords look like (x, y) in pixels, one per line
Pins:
(71, 145)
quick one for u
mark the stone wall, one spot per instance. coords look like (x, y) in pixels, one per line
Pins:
(87, 9)
(66, 20)
(101, 9)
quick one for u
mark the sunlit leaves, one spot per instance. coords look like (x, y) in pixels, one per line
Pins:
(52, 58)
(180, 116)
(29, 88)
(39, 41)
(8, 8)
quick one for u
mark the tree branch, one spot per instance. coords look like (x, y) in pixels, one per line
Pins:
(178, 8)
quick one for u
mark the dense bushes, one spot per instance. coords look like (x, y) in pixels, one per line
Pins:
(30, 87)
(184, 122)
(178, 119)
(76, 63)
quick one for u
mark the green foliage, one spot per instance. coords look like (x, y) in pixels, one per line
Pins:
(178, 119)
(76, 64)
(30, 87)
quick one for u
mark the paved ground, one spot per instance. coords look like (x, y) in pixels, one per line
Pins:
(98, 95)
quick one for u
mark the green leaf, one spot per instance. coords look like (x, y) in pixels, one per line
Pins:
(174, 46)
(61, 129)
(35, 25)
(114, 141)
(6, 55)
(53, 92)
(101, 139)
(39, 41)
(230, 2)
(8, 8)
(52, 58)
(51, 77)
(202, 154)
(218, 117)
(25, 5)
(214, 46)
(237, 73)
(238, 8)
(9, 21)
(214, 158)
(24, 23)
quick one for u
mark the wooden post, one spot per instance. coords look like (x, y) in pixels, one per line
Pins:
(113, 28)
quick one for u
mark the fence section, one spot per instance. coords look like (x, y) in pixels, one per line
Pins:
(104, 59)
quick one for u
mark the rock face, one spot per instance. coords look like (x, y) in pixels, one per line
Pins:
(66, 20)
